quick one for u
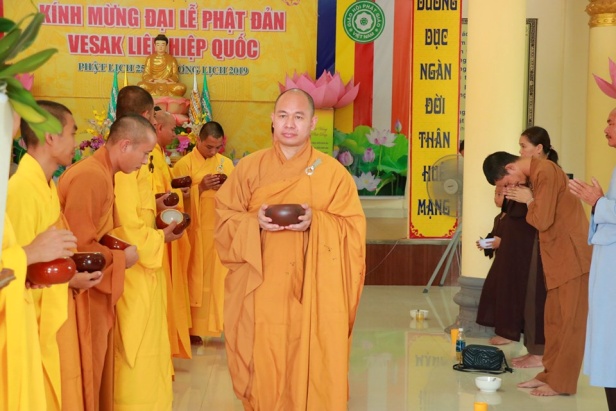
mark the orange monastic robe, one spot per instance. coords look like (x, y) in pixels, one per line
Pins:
(21, 374)
(86, 196)
(33, 207)
(206, 273)
(291, 297)
(143, 368)
(175, 264)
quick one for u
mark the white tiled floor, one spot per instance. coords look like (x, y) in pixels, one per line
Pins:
(396, 364)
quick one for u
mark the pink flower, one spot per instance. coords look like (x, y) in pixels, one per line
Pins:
(26, 80)
(608, 88)
(366, 181)
(381, 138)
(369, 155)
(327, 91)
(346, 158)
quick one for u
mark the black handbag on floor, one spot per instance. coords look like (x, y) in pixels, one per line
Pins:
(483, 358)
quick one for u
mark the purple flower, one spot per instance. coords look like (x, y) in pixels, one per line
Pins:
(398, 126)
(369, 155)
(346, 158)
(97, 142)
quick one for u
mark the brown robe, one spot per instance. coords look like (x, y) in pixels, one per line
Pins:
(87, 198)
(563, 234)
(503, 298)
(290, 297)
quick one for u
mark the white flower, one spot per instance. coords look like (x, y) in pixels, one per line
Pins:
(366, 181)
(381, 138)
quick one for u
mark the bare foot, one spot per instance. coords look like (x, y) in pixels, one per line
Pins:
(544, 391)
(534, 383)
(196, 340)
(498, 340)
(520, 358)
(531, 361)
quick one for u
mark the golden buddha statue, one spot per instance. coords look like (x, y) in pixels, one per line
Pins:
(160, 76)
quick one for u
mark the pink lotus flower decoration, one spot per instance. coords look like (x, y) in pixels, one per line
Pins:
(327, 91)
(608, 88)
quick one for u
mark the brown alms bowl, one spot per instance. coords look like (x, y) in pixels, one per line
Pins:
(52, 272)
(221, 177)
(89, 261)
(113, 243)
(171, 201)
(181, 182)
(284, 214)
(165, 217)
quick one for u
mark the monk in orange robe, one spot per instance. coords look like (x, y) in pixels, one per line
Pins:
(175, 258)
(86, 192)
(292, 292)
(206, 274)
(33, 207)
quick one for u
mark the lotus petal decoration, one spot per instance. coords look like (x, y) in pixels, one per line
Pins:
(608, 88)
(327, 91)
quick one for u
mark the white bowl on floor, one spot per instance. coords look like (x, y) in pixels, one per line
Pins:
(488, 384)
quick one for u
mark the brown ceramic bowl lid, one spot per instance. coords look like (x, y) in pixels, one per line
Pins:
(113, 243)
(181, 182)
(172, 200)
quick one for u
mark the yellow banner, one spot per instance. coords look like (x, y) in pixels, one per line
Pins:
(244, 48)
(435, 110)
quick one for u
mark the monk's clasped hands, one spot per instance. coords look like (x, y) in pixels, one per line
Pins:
(266, 223)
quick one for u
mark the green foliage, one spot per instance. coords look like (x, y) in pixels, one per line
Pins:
(378, 160)
(15, 41)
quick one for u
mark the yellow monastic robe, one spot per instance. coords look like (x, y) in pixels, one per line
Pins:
(175, 264)
(142, 375)
(86, 196)
(291, 297)
(33, 207)
(21, 374)
(206, 274)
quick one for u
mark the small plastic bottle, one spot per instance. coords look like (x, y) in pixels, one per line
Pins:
(460, 344)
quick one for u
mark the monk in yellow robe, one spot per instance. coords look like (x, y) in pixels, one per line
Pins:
(177, 253)
(21, 375)
(292, 292)
(142, 347)
(86, 192)
(33, 207)
(206, 274)
(160, 75)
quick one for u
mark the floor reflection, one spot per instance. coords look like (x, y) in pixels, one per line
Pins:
(397, 364)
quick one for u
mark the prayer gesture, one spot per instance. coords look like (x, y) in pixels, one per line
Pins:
(520, 194)
(589, 194)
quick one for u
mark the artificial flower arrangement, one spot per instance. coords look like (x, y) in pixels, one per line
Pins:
(98, 130)
(187, 134)
(377, 159)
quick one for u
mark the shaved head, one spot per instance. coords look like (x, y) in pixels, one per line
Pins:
(132, 127)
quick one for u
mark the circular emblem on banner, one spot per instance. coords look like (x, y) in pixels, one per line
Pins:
(364, 21)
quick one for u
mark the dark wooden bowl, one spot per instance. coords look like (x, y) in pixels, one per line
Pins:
(113, 243)
(284, 214)
(221, 177)
(171, 201)
(52, 272)
(181, 182)
(89, 261)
